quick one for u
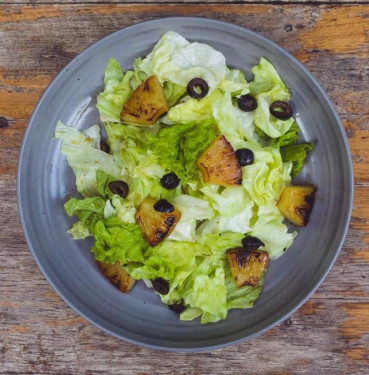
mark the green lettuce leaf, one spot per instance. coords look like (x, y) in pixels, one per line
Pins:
(297, 155)
(173, 92)
(88, 210)
(291, 137)
(116, 241)
(239, 297)
(171, 260)
(116, 92)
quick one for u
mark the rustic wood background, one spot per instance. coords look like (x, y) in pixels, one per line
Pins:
(40, 334)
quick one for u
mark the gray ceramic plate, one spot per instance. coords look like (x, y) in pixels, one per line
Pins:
(45, 180)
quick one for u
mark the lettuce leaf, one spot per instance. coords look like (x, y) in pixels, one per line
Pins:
(297, 155)
(85, 157)
(191, 111)
(236, 125)
(265, 179)
(291, 137)
(88, 211)
(116, 92)
(116, 241)
(192, 210)
(176, 60)
(270, 228)
(268, 87)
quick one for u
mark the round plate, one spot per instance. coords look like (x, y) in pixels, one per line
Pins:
(45, 181)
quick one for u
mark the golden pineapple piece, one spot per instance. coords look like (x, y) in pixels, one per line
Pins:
(146, 104)
(117, 275)
(155, 225)
(296, 204)
(219, 164)
(247, 266)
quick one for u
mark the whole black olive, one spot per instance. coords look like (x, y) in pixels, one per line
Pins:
(281, 110)
(177, 307)
(169, 181)
(252, 243)
(161, 285)
(119, 187)
(197, 88)
(104, 146)
(247, 103)
(245, 156)
(163, 205)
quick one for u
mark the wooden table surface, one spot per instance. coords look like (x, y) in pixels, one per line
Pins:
(40, 334)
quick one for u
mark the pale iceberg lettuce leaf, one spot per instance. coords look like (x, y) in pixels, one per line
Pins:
(269, 227)
(268, 87)
(236, 125)
(78, 231)
(240, 297)
(191, 111)
(176, 60)
(234, 82)
(265, 121)
(265, 179)
(234, 207)
(85, 158)
(124, 209)
(109, 210)
(116, 92)
(192, 209)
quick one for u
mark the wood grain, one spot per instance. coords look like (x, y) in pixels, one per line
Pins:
(40, 334)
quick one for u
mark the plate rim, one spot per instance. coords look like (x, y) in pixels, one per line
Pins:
(350, 181)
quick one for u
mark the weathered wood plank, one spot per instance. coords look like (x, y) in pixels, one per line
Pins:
(41, 335)
(292, 2)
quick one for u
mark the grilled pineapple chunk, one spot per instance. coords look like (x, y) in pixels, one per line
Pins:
(117, 275)
(296, 204)
(219, 164)
(146, 104)
(155, 225)
(247, 266)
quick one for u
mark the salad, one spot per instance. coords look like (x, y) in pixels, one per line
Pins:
(191, 187)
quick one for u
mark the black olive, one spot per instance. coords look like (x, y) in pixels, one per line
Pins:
(169, 181)
(3, 122)
(245, 156)
(104, 146)
(163, 205)
(197, 88)
(281, 110)
(177, 307)
(161, 285)
(252, 243)
(119, 187)
(247, 103)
